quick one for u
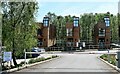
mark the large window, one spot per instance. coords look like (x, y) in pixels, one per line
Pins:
(107, 21)
(45, 21)
(101, 32)
(40, 42)
(76, 21)
(69, 32)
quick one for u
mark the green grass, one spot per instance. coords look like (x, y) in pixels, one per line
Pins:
(111, 56)
(41, 59)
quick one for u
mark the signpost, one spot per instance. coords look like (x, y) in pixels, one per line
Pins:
(7, 56)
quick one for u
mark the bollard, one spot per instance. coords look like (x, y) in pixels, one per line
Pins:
(118, 56)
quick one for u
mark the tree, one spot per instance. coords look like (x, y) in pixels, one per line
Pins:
(87, 22)
(59, 22)
(18, 27)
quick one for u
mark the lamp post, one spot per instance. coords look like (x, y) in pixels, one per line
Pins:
(1, 13)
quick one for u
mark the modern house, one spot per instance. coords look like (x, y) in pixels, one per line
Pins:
(46, 33)
(73, 33)
(102, 34)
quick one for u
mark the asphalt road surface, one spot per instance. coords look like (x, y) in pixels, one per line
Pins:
(69, 63)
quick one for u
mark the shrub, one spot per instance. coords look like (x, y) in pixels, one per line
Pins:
(40, 59)
(54, 56)
(4, 68)
(23, 62)
(112, 58)
(48, 58)
(31, 61)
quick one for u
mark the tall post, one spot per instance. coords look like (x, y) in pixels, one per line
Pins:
(25, 56)
(0, 57)
(0, 41)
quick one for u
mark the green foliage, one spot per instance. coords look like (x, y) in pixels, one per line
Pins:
(36, 60)
(31, 61)
(59, 22)
(23, 62)
(18, 26)
(54, 56)
(48, 58)
(104, 56)
(41, 59)
(112, 58)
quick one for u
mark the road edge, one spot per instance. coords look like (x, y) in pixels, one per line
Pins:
(114, 67)
(29, 65)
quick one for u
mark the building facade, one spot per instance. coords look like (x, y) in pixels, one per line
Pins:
(46, 33)
(102, 34)
(73, 33)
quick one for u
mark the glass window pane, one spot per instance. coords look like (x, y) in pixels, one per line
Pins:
(107, 21)
(45, 23)
(76, 23)
(76, 18)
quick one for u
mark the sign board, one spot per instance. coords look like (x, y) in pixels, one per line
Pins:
(7, 56)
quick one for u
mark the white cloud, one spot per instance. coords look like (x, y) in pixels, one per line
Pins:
(102, 8)
(74, 11)
(112, 8)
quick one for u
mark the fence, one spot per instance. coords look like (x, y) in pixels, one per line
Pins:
(55, 49)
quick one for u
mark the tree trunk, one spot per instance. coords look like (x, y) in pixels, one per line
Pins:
(14, 59)
(13, 46)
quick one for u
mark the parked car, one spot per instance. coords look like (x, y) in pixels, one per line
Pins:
(41, 50)
(36, 49)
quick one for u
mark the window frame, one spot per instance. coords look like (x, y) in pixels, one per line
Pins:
(69, 32)
(107, 21)
(76, 21)
(46, 21)
(101, 32)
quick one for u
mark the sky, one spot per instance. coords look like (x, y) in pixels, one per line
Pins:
(75, 7)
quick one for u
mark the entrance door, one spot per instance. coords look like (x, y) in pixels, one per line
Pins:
(101, 42)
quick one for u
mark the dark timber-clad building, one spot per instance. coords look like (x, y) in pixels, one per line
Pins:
(102, 34)
(46, 33)
(73, 33)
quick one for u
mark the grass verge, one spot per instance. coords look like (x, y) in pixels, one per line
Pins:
(111, 58)
(31, 61)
